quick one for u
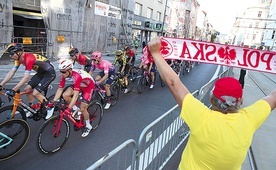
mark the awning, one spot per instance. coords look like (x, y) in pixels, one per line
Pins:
(28, 15)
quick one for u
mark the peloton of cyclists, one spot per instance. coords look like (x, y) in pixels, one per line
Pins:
(81, 59)
(83, 82)
(106, 75)
(45, 74)
(123, 67)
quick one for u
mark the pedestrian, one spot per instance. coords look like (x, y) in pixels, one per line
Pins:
(221, 135)
(242, 75)
(136, 45)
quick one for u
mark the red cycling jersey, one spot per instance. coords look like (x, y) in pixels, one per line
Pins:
(83, 60)
(82, 81)
(130, 53)
(35, 62)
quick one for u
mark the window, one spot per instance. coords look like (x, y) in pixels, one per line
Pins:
(149, 13)
(158, 16)
(138, 9)
(273, 34)
(254, 37)
(260, 14)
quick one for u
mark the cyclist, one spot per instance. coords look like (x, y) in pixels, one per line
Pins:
(130, 57)
(148, 65)
(106, 75)
(83, 82)
(45, 74)
(123, 67)
(81, 59)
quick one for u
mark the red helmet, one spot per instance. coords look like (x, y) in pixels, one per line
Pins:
(96, 55)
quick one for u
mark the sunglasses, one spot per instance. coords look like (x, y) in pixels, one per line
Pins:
(62, 71)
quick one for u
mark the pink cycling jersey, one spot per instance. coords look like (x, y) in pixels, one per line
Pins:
(105, 65)
(82, 81)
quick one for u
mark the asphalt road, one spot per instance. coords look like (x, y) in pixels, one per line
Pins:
(126, 120)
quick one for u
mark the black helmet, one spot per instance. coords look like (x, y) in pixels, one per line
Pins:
(127, 47)
(13, 47)
(73, 51)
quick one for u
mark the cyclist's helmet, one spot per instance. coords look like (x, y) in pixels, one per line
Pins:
(127, 47)
(65, 64)
(119, 52)
(73, 51)
(96, 55)
(14, 47)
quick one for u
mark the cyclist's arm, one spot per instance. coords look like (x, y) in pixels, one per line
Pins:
(9, 76)
(175, 85)
(103, 78)
(23, 81)
(58, 94)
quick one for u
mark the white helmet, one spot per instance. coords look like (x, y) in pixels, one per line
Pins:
(65, 64)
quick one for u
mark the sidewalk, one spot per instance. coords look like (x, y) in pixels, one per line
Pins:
(264, 138)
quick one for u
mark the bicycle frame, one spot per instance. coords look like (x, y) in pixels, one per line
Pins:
(5, 138)
(17, 101)
(79, 124)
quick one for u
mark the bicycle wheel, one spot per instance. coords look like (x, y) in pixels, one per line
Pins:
(49, 139)
(14, 134)
(141, 85)
(115, 91)
(6, 111)
(95, 110)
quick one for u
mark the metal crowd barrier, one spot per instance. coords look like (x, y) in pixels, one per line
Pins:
(158, 141)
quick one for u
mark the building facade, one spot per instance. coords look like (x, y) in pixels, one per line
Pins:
(255, 27)
(53, 26)
(148, 19)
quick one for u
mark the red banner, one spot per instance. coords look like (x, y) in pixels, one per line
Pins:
(221, 54)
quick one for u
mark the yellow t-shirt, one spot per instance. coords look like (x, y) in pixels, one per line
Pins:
(219, 141)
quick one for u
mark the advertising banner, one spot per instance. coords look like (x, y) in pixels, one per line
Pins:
(107, 10)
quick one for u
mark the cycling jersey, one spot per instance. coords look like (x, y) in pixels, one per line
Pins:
(107, 68)
(122, 61)
(104, 65)
(131, 54)
(35, 62)
(82, 81)
(83, 60)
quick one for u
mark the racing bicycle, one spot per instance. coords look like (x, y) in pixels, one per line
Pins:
(54, 132)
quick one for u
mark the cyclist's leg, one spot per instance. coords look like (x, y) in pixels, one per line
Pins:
(34, 81)
(43, 85)
(152, 74)
(67, 94)
(86, 97)
(109, 80)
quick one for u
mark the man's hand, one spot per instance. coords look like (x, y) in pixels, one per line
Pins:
(155, 45)
(10, 93)
(67, 111)
(51, 104)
